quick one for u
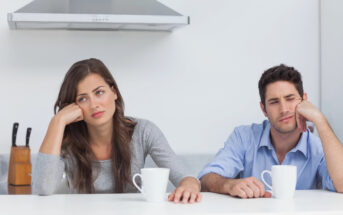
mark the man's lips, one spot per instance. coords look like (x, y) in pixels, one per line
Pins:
(97, 114)
(286, 118)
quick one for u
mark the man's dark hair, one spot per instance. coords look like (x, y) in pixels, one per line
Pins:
(280, 73)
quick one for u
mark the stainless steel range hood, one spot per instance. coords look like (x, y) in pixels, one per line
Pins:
(148, 15)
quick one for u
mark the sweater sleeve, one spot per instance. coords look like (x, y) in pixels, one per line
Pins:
(158, 148)
(47, 174)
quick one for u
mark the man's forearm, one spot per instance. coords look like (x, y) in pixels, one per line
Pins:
(215, 183)
(333, 151)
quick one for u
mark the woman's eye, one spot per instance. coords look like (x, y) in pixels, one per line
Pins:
(99, 92)
(82, 99)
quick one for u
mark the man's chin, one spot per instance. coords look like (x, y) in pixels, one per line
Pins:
(286, 129)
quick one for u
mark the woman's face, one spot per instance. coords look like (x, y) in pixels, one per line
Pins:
(96, 99)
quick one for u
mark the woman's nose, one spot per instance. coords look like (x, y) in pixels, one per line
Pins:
(93, 103)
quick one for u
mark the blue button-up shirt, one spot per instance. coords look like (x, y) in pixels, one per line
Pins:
(248, 151)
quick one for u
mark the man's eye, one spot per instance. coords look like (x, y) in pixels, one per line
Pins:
(290, 99)
(273, 102)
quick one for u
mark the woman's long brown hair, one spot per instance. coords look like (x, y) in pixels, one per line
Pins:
(75, 142)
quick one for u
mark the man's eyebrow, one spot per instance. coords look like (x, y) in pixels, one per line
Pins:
(273, 99)
(83, 94)
(290, 95)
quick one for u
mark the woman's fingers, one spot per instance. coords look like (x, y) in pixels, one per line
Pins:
(70, 113)
(79, 118)
(178, 195)
(171, 196)
(199, 197)
(193, 198)
(185, 197)
(188, 191)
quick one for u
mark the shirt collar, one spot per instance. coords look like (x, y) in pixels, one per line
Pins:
(266, 142)
(265, 139)
(302, 144)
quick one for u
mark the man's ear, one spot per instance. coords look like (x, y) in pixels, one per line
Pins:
(263, 109)
(305, 96)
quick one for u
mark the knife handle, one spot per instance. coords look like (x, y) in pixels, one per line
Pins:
(28, 133)
(14, 133)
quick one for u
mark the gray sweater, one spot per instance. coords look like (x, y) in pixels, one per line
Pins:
(147, 139)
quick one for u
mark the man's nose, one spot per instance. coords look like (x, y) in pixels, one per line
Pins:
(283, 106)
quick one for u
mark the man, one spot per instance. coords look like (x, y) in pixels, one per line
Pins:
(282, 139)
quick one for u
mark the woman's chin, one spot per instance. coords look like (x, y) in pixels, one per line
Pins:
(98, 122)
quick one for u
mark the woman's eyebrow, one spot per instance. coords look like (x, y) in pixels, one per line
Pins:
(97, 88)
(83, 94)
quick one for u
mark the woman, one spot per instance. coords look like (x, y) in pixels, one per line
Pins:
(99, 148)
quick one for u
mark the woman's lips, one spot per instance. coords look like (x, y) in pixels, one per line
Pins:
(97, 114)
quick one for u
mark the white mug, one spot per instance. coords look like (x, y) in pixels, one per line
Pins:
(284, 180)
(154, 183)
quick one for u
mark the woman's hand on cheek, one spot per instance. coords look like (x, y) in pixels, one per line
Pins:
(70, 113)
(188, 191)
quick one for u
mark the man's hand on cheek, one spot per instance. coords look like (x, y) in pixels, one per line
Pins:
(305, 110)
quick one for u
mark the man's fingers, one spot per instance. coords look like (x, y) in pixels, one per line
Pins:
(241, 194)
(267, 195)
(260, 186)
(298, 120)
(237, 191)
(255, 189)
(247, 191)
(304, 123)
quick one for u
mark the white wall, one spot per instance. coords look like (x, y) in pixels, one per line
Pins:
(332, 67)
(196, 83)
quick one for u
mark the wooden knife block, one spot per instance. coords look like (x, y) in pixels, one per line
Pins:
(19, 170)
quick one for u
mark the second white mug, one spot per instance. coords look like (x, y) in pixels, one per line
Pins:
(284, 180)
(154, 183)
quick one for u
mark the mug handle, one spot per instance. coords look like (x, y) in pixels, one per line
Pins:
(134, 181)
(262, 177)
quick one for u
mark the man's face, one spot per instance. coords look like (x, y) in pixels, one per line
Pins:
(281, 99)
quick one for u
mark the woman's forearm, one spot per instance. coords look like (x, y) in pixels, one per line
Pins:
(53, 138)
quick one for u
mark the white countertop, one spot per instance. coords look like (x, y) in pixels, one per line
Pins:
(304, 202)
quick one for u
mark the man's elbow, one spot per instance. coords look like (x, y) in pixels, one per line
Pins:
(204, 183)
(339, 189)
(207, 182)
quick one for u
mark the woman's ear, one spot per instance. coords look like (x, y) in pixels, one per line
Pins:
(115, 93)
